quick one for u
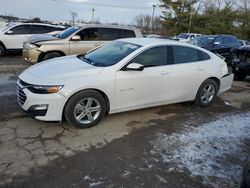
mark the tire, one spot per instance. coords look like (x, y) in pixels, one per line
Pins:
(51, 55)
(239, 76)
(2, 51)
(206, 93)
(80, 105)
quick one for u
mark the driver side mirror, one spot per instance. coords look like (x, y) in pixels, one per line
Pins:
(9, 32)
(134, 67)
(76, 38)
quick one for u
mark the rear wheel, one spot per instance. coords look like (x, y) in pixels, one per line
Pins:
(206, 93)
(85, 109)
(2, 51)
(51, 55)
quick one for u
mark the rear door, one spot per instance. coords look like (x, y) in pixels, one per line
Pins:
(189, 69)
(20, 34)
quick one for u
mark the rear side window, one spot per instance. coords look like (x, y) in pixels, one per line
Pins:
(114, 33)
(187, 55)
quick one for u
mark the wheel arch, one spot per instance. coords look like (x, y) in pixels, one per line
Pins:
(2, 44)
(41, 56)
(217, 81)
(105, 96)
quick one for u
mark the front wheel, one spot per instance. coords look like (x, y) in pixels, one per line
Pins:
(85, 109)
(2, 51)
(206, 93)
(51, 55)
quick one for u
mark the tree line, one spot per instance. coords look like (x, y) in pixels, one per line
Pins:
(199, 16)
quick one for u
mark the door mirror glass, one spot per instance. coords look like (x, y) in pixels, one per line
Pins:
(134, 67)
(76, 38)
(9, 32)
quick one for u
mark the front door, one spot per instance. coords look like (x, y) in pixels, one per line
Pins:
(137, 89)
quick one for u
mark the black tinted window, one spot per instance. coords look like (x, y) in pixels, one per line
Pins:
(218, 39)
(226, 40)
(185, 55)
(128, 33)
(114, 33)
(22, 29)
(156, 56)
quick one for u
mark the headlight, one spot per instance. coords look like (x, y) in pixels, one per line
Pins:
(29, 46)
(44, 89)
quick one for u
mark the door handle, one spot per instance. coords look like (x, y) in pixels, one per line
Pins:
(200, 69)
(164, 73)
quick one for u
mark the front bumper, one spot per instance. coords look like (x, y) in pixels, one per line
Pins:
(31, 56)
(34, 104)
(226, 83)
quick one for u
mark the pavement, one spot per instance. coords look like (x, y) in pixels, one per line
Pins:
(177, 145)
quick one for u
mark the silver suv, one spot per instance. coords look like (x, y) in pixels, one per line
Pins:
(74, 40)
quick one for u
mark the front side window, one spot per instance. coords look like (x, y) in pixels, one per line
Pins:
(187, 55)
(109, 54)
(152, 57)
(218, 40)
(89, 34)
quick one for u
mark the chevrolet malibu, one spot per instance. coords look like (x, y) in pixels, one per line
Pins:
(122, 75)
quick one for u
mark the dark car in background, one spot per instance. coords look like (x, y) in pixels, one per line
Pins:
(224, 45)
(241, 63)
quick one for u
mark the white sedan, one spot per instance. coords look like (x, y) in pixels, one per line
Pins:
(122, 75)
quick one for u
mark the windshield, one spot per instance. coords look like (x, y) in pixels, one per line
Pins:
(109, 54)
(66, 33)
(183, 36)
(203, 41)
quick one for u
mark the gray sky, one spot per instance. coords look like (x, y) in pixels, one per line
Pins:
(121, 11)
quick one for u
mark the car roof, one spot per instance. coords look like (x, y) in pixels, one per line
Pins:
(43, 24)
(107, 26)
(153, 41)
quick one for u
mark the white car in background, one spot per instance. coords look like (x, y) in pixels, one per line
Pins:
(186, 37)
(122, 75)
(13, 35)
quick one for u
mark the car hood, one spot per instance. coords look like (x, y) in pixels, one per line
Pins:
(57, 71)
(42, 37)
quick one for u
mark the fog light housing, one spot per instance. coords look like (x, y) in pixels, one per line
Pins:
(38, 110)
(39, 107)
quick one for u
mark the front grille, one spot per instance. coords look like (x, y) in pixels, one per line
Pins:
(21, 96)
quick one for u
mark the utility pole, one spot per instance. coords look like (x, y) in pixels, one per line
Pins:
(93, 15)
(153, 17)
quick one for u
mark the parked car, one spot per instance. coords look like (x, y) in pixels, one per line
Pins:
(74, 40)
(245, 183)
(186, 37)
(13, 35)
(241, 63)
(244, 42)
(224, 45)
(122, 75)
